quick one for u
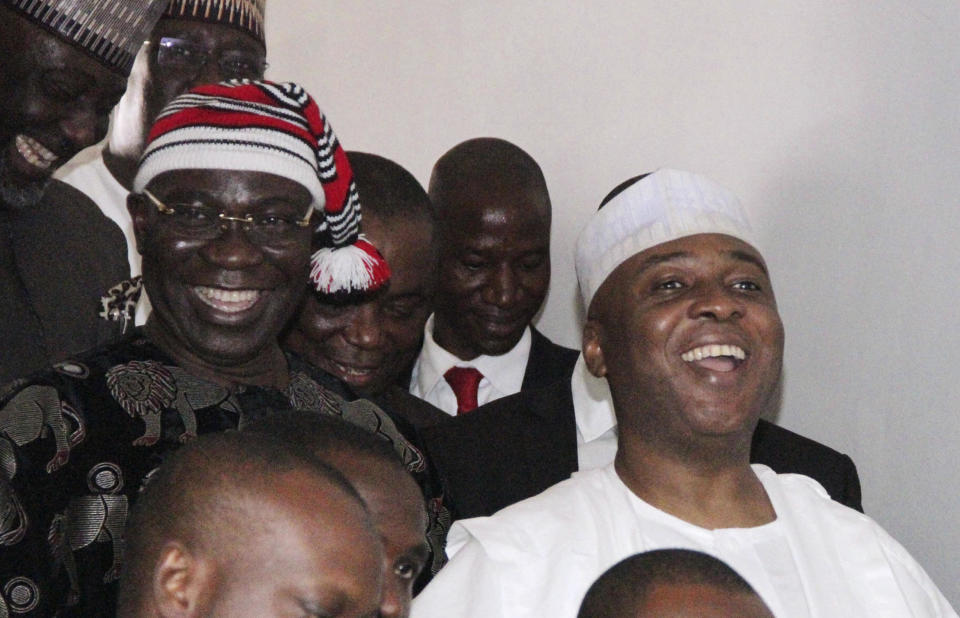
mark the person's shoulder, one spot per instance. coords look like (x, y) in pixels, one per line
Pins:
(418, 412)
(806, 498)
(59, 194)
(542, 347)
(69, 217)
(81, 164)
(819, 519)
(88, 366)
(551, 517)
(789, 452)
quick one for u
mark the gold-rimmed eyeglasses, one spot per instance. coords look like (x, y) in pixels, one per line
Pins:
(203, 222)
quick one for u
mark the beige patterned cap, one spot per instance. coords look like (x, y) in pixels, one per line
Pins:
(112, 31)
(247, 15)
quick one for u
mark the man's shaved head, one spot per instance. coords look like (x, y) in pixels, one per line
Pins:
(228, 499)
(628, 589)
(493, 227)
(318, 435)
(392, 496)
(487, 165)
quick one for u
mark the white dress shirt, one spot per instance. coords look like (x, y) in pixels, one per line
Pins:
(596, 423)
(502, 375)
(538, 557)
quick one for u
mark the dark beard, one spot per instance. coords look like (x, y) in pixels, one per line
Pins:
(16, 196)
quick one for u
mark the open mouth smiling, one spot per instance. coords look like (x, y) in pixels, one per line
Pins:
(716, 357)
(227, 301)
(351, 371)
(35, 153)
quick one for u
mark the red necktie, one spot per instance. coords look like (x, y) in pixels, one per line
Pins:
(464, 381)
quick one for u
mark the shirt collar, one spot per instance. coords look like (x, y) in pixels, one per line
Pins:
(505, 372)
(592, 403)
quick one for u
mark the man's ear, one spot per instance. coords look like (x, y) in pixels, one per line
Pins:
(137, 207)
(592, 349)
(182, 582)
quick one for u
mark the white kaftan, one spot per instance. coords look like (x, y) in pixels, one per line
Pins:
(539, 556)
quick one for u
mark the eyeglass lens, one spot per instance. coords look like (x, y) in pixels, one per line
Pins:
(187, 57)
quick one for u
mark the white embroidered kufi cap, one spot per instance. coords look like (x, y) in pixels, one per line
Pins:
(663, 206)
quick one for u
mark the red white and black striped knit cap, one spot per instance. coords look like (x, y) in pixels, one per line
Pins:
(277, 128)
(112, 31)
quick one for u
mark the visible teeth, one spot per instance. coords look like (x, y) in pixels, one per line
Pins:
(714, 350)
(352, 371)
(34, 152)
(231, 301)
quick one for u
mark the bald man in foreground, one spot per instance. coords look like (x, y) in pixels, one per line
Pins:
(683, 324)
(239, 524)
(672, 583)
(391, 494)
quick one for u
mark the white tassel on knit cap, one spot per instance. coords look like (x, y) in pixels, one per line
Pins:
(353, 268)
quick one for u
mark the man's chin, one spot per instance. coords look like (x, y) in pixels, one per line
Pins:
(498, 346)
(18, 194)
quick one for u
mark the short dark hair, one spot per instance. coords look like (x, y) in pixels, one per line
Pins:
(624, 587)
(319, 433)
(387, 190)
(620, 188)
(202, 492)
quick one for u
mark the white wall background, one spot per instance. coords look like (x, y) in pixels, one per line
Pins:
(837, 123)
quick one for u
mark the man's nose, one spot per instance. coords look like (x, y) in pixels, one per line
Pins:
(363, 330)
(502, 289)
(232, 250)
(718, 302)
(392, 603)
(209, 73)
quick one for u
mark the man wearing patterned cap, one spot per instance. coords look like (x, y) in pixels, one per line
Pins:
(234, 183)
(63, 65)
(195, 42)
(683, 324)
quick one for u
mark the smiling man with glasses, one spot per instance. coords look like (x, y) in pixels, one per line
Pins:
(237, 184)
(195, 42)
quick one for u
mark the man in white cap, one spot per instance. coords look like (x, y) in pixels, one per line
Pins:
(519, 445)
(63, 66)
(683, 324)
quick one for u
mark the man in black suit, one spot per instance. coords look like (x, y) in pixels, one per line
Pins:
(516, 447)
(493, 229)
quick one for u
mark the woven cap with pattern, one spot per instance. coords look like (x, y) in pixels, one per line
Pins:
(276, 128)
(663, 206)
(246, 15)
(112, 31)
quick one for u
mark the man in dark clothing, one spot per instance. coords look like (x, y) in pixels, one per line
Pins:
(224, 227)
(63, 66)
(493, 229)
